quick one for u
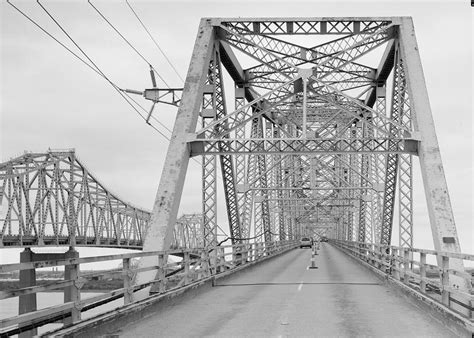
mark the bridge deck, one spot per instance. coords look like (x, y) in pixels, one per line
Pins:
(282, 297)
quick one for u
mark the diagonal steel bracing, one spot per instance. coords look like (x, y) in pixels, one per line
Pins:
(319, 137)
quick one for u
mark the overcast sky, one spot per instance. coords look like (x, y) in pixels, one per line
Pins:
(51, 100)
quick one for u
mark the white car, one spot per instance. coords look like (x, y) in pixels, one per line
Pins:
(306, 242)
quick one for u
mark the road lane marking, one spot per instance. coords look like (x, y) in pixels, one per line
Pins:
(300, 286)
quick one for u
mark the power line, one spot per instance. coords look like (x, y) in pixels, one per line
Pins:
(54, 38)
(153, 39)
(97, 70)
(128, 42)
(118, 89)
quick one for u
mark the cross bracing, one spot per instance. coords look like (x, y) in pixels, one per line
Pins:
(320, 130)
(52, 199)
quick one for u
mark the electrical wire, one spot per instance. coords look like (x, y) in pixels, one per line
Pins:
(97, 70)
(54, 38)
(154, 41)
(123, 94)
(128, 42)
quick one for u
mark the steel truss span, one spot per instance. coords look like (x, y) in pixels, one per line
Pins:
(313, 125)
(51, 199)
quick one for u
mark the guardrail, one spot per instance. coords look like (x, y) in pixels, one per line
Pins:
(195, 265)
(410, 267)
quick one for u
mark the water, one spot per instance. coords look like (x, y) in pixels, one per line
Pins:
(9, 307)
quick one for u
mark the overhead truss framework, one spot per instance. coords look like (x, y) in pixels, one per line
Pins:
(321, 133)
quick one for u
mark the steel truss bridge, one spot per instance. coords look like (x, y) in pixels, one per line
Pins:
(319, 139)
(52, 199)
(308, 140)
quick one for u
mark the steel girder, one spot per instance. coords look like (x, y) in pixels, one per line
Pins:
(302, 146)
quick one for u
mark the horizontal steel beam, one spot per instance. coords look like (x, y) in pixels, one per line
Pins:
(302, 146)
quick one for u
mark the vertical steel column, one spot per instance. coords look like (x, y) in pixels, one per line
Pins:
(159, 232)
(226, 162)
(440, 212)
(367, 194)
(279, 193)
(262, 217)
(209, 163)
(243, 194)
(71, 219)
(391, 171)
(271, 182)
(378, 173)
(364, 130)
(353, 179)
(405, 172)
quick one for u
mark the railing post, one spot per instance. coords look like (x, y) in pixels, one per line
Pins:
(72, 293)
(212, 262)
(373, 254)
(388, 263)
(27, 303)
(244, 253)
(127, 282)
(221, 259)
(242, 258)
(445, 280)
(396, 263)
(236, 254)
(406, 264)
(186, 259)
(422, 272)
(161, 273)
(205, 263)
(379, 254)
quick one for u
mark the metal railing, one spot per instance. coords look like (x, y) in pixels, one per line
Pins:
(442, 283)
(195, 265)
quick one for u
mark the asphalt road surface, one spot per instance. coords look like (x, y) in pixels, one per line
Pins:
(282, 297)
